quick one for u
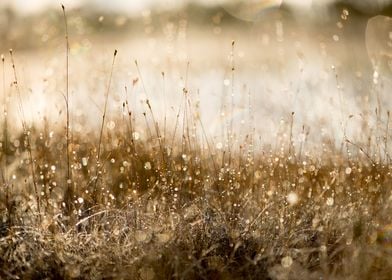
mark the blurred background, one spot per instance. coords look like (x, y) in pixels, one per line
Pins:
(325, 60)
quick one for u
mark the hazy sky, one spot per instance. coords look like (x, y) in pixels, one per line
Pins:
(136, 6)
(131, 6)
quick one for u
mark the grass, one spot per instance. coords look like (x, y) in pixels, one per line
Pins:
(265, 216)
(177, 205)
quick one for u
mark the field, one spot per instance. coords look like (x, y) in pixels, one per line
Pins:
(195, 145)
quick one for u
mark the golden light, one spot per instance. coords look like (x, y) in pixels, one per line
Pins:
(250, 10)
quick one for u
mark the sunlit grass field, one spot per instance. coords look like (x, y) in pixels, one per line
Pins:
(198, 165)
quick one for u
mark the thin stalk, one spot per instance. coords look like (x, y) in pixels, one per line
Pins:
(362, 150)
(5, 149)
(185, 125)
(291, 144)
(70, 190)
(5, 136)
(129, 122)
(302, 142)
(208, 146)
(156, 126)
(164, 107)
(230, 132)
(27, 136)
(103, 124)
(386, 137)
(149, 133)
(176, 126)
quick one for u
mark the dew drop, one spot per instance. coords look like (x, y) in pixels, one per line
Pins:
(287, 261)
(292, 198)
(330, 201)
(140, 236)
(16, 143)
(136, 135)
(163, 237)
(111, 125)
(147, 165)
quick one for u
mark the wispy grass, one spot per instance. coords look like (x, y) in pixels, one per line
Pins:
(179, 205)
(26, 135)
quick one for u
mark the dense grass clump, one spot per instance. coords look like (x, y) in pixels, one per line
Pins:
(149, 209)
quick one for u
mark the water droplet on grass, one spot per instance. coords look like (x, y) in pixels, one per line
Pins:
(140, 236)
(287, 261)
(163, 237)
(292, 198)
(146, 273)
(147, 165)
(136, 135)
(330, 201)
(111, 125)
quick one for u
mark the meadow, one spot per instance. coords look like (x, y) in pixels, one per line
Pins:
(225, 150)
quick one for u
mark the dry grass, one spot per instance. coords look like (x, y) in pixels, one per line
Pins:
(188, 213)
(172, 203)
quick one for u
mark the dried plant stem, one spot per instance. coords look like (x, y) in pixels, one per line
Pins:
(363, 151)
(386, 138)
(176, 127)
(302, 142)
(102, 127)
(129, 123)
(231, 132)
(27, 136)
(149, 133)
(185, 124)
(164, 107)
(5, 131)
(70, 190)
(5, 147)
(156, 126)
(291, 143)
(208, 146)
